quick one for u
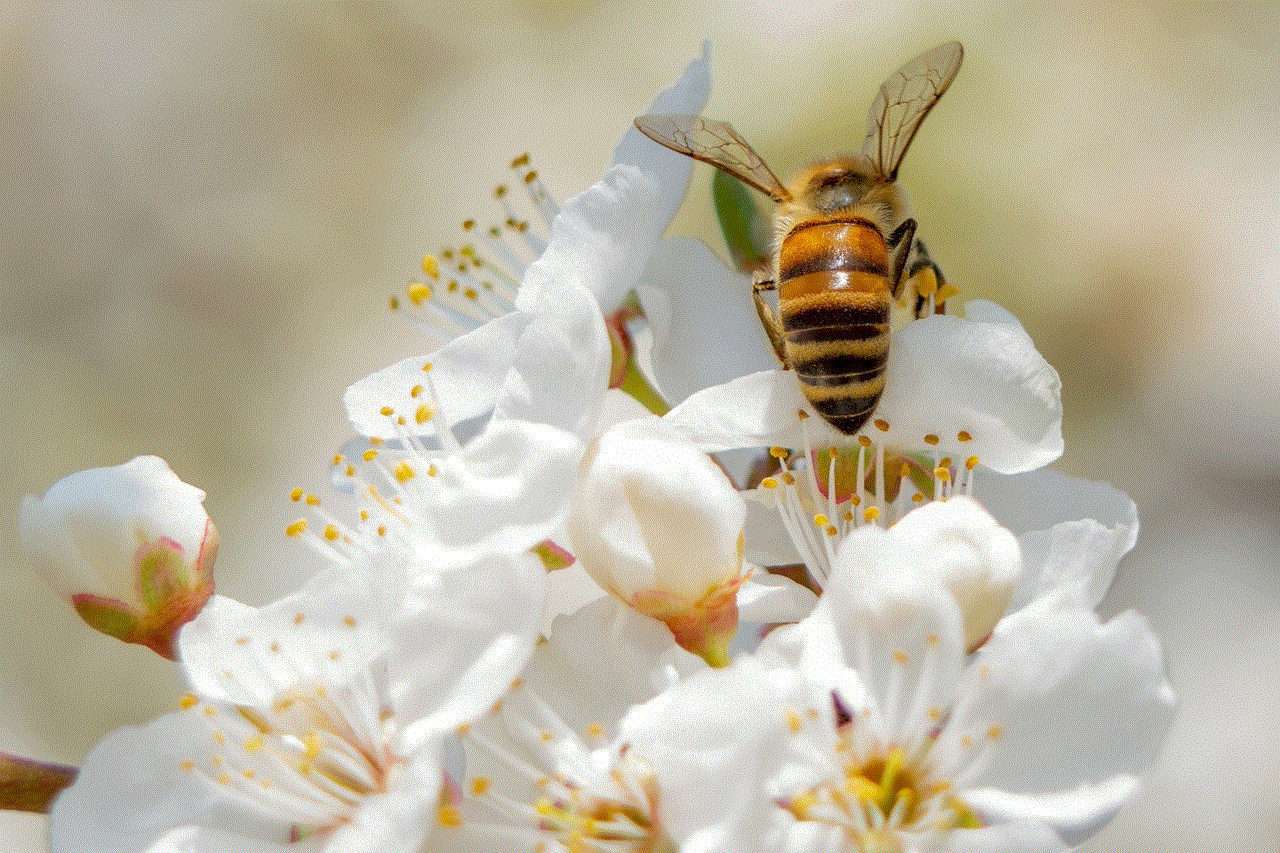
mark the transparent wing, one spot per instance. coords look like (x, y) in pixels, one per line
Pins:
(713, 142)
(903, 102)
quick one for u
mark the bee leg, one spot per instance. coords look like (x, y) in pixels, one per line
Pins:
(769, 318)
(899, 244)
(928, 280)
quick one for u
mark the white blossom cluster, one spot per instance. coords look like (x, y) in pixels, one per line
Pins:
(549, 626)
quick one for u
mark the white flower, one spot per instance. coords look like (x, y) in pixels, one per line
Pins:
(1034, 743)
(547, 770)
(130, 546)
(548, 360)
(656, 523)
(317, 719)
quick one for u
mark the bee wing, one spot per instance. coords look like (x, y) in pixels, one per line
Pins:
(714, 142)
(903, 102)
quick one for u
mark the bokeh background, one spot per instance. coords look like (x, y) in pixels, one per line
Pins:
(203, 210)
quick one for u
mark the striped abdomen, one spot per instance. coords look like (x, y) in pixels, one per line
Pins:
(833, 304)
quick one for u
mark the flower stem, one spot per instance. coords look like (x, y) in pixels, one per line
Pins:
(31, 786)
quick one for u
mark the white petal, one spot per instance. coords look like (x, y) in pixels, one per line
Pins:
(587, 688)
(461, 640)
(757, 410)
(766, 598)
(467, 373)
(714, 334)
(330, 630)
(560, 369)
(1016, 837)
(670, 171)
(132, 791)
(601, 237)
(1074, 532)
(1073, 706)
(721, 731)
(946, 375)
(507, 490)
(900, 629)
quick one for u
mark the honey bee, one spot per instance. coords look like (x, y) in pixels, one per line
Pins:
(842, 239)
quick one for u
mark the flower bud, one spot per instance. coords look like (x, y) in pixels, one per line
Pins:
(977, 560)
(656, 523)
(130, 546)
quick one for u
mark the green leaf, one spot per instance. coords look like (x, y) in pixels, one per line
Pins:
(745, 229)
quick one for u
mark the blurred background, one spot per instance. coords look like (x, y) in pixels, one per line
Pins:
(203, 210)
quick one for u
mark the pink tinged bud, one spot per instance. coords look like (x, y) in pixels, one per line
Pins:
(130, 547)
(657, 524)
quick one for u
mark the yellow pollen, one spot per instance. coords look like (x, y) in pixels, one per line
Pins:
(449, 816)
(224, 779)
(404, 472)
(500, 191)
(778, 452)
(335, 655)
(479, 785)
(971, 462)
(382, 530)
(545, 736)
(471, 294)
(370, 455)
(963, 435)
(376, 442)
(931, 439)
(531, 177)
(349, 621)
(242, 641)
(521, 160)
(994, 732)
(794, 722)
(945, 462)
(313, 500)
(769, 483)
(350, 471)
(296, 528)
(419, 293)
(188, 700)
(900, 657)
(275, 646)
(423, 414)
(338, 459)
(253, 744)
(788, 479)
(933, 640)
(871, 513)
(432, 470)
(416, 391)
(821, 520)
(595, 730)
(431, 266)
(917, 497)
(802, 414)
(831, 530)
(330, 532)
(295, 495)
(299, 618)
(188, 765)
(386, 411)
(881, 424)
(848, 515)
(426, 368)
(942, 474)
(865, 441)
(468, 224)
